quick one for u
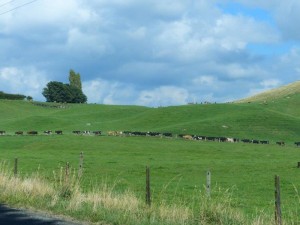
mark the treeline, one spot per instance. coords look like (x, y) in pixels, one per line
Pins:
(13, 96)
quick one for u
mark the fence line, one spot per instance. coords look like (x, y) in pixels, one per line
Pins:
(278, 213)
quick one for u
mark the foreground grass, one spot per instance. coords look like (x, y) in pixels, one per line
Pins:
(104, 205)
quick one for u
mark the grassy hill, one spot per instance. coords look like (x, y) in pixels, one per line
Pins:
(274, 94)
(278, 119)
(178, 166)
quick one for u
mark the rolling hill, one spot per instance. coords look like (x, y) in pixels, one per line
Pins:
(271, 115)
(274, 94)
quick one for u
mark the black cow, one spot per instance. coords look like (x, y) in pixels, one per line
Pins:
(211, 138)
(167, 134)
(264, 142)
(281, 143)
(19, 133)
(32, 132)
(48, 132)
(76, 131)
(59, 132)
(98, 132)
(222, 139)
(246, 140)
(255, 141)
(153, 134)
(236, 139)
(297, 143)
(129, 133)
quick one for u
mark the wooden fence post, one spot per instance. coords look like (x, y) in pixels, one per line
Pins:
(208, 183)
(80, 165)
(67, 172)
(16, 167)
(148, 193)
(278, 219)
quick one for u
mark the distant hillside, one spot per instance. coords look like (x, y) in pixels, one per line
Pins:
(274, 94)
(278, 120)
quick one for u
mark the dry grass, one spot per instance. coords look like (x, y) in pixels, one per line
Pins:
(275, 93)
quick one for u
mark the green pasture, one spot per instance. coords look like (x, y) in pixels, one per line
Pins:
(178, 166)
(274, 120)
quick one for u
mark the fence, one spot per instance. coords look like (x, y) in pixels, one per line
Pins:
(278, 213)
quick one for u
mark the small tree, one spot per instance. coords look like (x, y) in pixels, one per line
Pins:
(75, 80)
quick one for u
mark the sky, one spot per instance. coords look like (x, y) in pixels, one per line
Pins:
(150, 52)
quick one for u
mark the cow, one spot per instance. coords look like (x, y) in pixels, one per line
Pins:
(246, 140)
(76, 132)
(129, 133)
(230, 140)
(297, 143)
(32, 132)
(137, 133)
(281, 143)
(188, 137)
(2, 132)
(255, 141)
(86, 132)
(19, 133)
(167, 134)
(98, 132)
(236, 139)
(265, 142)
(211, 138)
(47, 132)
(153, 134)
(59, 132)
(197, 138)
(114, 133)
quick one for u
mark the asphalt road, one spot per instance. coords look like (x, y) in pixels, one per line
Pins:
(10, 216)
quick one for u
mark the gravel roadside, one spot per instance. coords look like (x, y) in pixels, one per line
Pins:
(12, 216)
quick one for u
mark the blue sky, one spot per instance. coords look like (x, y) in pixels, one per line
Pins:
(150, 52)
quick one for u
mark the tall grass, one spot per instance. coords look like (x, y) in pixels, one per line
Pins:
(103, 205)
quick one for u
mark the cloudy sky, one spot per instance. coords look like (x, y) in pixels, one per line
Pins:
(150, 52)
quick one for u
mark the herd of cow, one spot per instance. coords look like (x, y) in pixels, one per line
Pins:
(153, 134)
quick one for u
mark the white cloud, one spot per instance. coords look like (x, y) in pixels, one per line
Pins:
(28, 81)
(270, 83)
(107, 92)
(204, 80)
(162, 96)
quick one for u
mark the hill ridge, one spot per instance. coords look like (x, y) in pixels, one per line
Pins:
(273, 94)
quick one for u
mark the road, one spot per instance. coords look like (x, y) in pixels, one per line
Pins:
(10, 216)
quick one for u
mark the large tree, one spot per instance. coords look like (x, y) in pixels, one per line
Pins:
(58, 92)
(75, 80)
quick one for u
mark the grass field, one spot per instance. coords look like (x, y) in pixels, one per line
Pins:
(177, 166)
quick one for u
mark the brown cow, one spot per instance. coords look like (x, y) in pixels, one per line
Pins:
(187, 137)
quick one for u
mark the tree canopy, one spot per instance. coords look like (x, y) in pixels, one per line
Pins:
(75, 80)
(59, 92)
